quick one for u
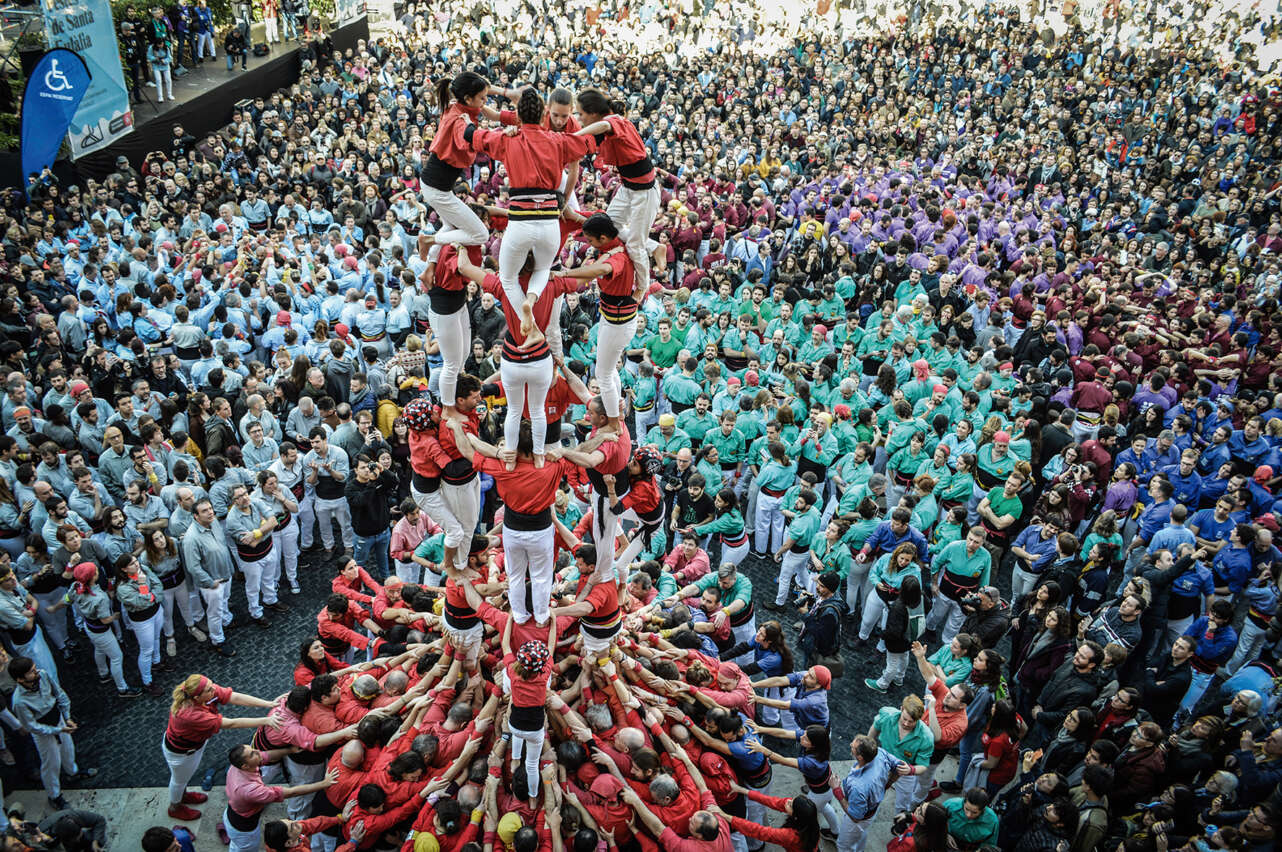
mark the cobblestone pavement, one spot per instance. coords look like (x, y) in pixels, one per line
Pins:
(122, 737)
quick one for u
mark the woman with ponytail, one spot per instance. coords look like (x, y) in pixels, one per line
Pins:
(636, 203)
(193, 721)
(619, 307)
(451, 156)
(96, 608)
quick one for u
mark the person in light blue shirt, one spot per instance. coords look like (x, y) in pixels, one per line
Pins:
(1174, 534)
(863, 789)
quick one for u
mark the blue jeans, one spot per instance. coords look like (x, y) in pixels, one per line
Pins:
(1197, 687)
(371, 553)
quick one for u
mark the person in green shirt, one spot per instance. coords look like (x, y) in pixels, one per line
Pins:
(830, 552)
(708, 464)
(729, 442)
(970, 820)
(566, 512)
(816, 347)
(792, 333)
(794, 553)
(999, 511)
(953, 661)
(697, 421)
(644, 398)
(735, 592)
(667, 438)
(774, 477)
(663, 347)
(728, 525)
(903, 466)
(961, 569)
(429, 555)
(902, 733)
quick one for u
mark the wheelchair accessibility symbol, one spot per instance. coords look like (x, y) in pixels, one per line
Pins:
(55, 80)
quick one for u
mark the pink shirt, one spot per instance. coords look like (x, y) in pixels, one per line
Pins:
(292, 729)
(246, 792)
(406, 536)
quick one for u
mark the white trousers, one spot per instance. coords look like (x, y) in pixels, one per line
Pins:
(271, 30)
(823, 801)
(464, 505)
(605, 528)
(181, 768)
(147, 632)
(553, 331)
(526, 382)
(633, 212)
(454, 333)
(298, 807)
(735, 555)
(744, 633)
(541, 236)
(794, 565)
(163, 76)
(261, 577)
(1021, 582)
(307, 520)
(853, 835)
(285, 543)
(612, 339)
(874, 614)
(896, 666)
(458, 223)
(205, 45)
(188, 606)
(531, 743)
(946, 613)
(243, 841)
(57, 755)
(217, 610)
(529, 552)
(411, 572)
(108, 657)
(769, 523)
(326, 512)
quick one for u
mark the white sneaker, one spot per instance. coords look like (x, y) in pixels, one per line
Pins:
(171, 647)
(197, 634)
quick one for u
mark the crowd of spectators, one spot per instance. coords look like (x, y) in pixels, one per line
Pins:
(965, 323)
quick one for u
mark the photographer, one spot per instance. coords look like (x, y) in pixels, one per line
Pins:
(133, 49)
(820, 636)
(987, 615)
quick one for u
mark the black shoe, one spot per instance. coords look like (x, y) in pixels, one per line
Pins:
(72, 643)
(828, 834)
(131, 692)
(222, 650)
(950, 787)
(83, 775)
(68, 655)
(234, 624)
(276, 607)
(262, 623)
(773, 607)
(104, 678)
(58, 803)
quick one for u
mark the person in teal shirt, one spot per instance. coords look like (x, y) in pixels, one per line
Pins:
(696, 421)
(901, 732)
(728, 526)
(953, 661)
(774, 477)
(816, 448)
(961, 568)
(794, 553)
(817, 347)
(729, 441)
(682, 388)
(644, 394)
(970, 820)
(830, 552)
(667, 438)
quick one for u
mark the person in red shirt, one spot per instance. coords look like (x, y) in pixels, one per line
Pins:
(288, 835)
(606, 452)
(193, 721)
(335, 625)
(450, 155)
(351, 579)
(528, 492)
(527, 673)
(636, 202)
(314, 660)
(620, 303)
(597, 606)
(456, 506)
(535, 159)
(526, 365)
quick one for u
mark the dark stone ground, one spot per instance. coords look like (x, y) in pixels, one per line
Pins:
(122, 737)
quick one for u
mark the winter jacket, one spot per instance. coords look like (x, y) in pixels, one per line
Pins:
(1038, 667)
(1213, 649)
(1137, 776)
(1067, 690)
(1164, 688)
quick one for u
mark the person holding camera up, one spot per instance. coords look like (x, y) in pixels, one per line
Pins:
(961, 568)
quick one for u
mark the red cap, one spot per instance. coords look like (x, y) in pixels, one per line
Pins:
(283, 318)
(341, 330)
(733, 380)
(1001, 438)
(77, 388)
(751, 378)
(606, 786)
(842, 411)
(823, 675)
(350, 262)
(821, 328)
(939, 389)
(1263, 474)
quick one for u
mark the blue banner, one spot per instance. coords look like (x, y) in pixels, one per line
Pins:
(54, 92)
(85, 26)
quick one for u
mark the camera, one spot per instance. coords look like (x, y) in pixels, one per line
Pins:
(972, 600)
